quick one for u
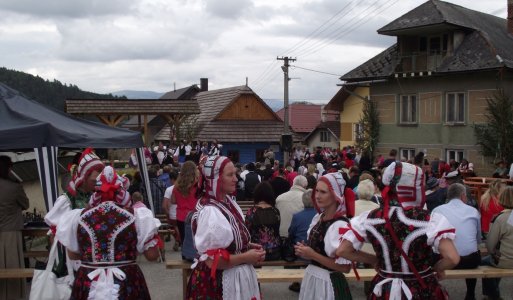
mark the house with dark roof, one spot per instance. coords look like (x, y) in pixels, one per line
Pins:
(431, 86)
(325, 135)
(239, 120)
(348, 101)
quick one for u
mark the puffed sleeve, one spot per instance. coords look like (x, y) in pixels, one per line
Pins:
(332, 240)
(357, 234)
(439, 228)
(67, 229)
(61, 206)
(213, 231)
(147, 229)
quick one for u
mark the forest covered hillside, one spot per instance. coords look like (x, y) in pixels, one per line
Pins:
(51, 93)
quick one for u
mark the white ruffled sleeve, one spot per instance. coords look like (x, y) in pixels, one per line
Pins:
(332, 240)
(439, 228)
(147, 229)
(67, 230)
(62, 205)
(357, 234)
(213, 231)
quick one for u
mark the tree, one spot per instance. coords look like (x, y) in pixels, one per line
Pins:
(496, 136)
(368, 137)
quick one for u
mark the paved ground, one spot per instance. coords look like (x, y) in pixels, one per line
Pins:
(167, 284)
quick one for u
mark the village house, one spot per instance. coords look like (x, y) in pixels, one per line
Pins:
(349, 102)
(314, 125)
(238, 119)
(431, 86)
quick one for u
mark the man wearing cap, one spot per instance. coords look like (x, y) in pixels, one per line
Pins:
(435, 196)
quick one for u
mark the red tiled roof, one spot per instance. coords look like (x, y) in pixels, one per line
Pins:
(303, 118)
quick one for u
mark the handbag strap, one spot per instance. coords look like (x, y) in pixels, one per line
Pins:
(52, 256)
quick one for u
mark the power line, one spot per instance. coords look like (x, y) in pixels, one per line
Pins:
(341, 27)
(294, 66)
(315, 33)
(363, 20)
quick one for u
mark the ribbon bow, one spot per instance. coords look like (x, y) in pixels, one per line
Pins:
(217, 253)
(108, 189)
(398, 287)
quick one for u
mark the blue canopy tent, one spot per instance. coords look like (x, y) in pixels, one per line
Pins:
(28, 125)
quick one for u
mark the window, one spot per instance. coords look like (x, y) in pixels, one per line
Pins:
(457, 155)
(455, 108)
(408, 108)
(357, 132)
(325, 136)
(435, 45)
(408, 154)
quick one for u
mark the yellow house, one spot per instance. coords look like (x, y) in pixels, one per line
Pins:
(349, 102)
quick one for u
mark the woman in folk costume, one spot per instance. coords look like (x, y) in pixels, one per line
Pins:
(323, 277)
(225, 266)
(404, 237)
(106, 238)
(79, 190)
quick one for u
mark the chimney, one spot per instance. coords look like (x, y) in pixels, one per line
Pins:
(510, 16)
(203, 84)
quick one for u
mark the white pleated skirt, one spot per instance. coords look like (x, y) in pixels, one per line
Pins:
(240, 282)
(316, 284)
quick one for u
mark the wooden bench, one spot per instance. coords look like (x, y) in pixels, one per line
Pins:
(294, 275)
(40, 253)
(185, 266)
(16, 273)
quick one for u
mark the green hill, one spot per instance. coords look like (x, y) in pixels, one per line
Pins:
(51, 93)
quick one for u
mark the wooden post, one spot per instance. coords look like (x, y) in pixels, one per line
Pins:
(146, 130)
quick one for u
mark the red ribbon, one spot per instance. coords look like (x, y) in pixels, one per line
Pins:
(217, 253)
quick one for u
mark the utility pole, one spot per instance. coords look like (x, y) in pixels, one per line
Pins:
(286, 135)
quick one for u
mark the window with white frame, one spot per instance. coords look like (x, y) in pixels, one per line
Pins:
(408, 108)
(357, 131)
(455, 154)
(455, 107)
(407, 153)
(325, 136)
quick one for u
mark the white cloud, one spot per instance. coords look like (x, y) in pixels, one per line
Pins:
(103, 46)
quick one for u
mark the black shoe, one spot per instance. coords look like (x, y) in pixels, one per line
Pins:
(295, 287)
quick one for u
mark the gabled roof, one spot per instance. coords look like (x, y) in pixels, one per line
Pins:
(303, 118)
(331, 126)
(131, 107)
(183, 93)
(487, 37)
(213, 103)
(337, 102)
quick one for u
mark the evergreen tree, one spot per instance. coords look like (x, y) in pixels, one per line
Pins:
(368, 137)
(496, 136)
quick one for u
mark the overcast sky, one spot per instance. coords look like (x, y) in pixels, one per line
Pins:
(106, 46)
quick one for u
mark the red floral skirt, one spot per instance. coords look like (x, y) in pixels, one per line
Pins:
(202, 286)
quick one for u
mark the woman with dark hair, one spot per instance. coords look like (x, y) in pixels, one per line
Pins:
(263, 221)
(225, 267)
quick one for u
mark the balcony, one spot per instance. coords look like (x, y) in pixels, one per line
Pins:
(419, 62)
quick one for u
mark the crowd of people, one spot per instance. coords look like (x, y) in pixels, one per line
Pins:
(336, 210)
